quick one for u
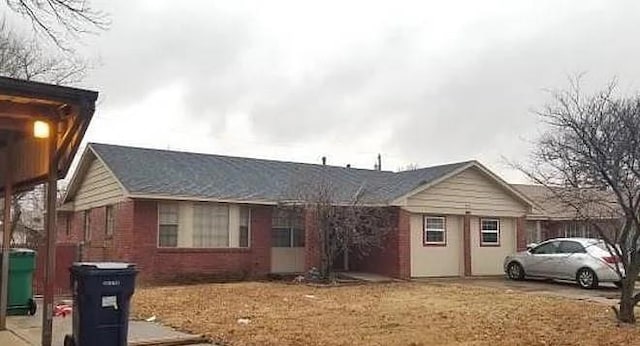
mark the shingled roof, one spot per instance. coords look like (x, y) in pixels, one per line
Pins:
(163, 173)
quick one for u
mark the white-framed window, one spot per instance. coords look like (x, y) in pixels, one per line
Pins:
(168, 222)
(203, 225)
(110, 220)
(489, 232)
(434, 230)
(287, 228)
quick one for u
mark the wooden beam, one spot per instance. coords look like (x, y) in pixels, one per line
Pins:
(15, 124)
(27, 110)
(6, 235)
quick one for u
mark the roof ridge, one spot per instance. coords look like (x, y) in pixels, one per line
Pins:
(278, 161)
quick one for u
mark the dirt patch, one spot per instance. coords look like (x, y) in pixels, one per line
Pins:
(269, 313)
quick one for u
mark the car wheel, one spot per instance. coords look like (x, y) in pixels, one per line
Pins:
(515, 271)
(618, 284)
(587, 278)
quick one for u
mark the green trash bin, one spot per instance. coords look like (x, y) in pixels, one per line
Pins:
(22, 264)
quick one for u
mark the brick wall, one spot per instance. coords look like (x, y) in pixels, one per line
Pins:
(394, 258)
(180, 263)
(135, 240)
(521, 234)
(311, 241)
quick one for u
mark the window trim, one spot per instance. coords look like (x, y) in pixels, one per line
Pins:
(108, 231)
(67, 224)
(184, 249)
(424, 231)
(248, 228)
(498, 231)
(86, 229)
(158, 226)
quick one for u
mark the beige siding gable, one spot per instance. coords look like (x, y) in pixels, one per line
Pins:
(97, 188)
(470, 190)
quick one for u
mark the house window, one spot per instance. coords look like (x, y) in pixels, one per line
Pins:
(109, 220)
(210, 225)
(434, 230)
(245, 218)
(203, 225)
(287, 228)
(489, 232)
(577, 230)
(67, 223)
(168, 225)
(87, 225)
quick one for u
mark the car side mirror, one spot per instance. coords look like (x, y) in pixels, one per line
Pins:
(531, 246)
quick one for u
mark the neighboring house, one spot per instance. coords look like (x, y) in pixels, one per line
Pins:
(550, 218)
(186, 214)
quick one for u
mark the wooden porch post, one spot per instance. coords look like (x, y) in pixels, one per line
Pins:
(50, 230)
(466, 247)
(6, 234)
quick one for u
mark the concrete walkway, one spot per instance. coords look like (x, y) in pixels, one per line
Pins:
(368, 277)
(8, 338)
(26, 330)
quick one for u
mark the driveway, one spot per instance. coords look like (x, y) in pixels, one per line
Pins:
(605, 294)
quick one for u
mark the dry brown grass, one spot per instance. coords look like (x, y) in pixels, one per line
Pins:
(380, 314)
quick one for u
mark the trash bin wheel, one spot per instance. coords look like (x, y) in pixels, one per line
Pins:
(68, 340)
(32, 307)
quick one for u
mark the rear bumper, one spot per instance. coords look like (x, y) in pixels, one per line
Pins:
(608, 274)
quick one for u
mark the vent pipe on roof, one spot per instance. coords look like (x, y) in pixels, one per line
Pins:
(324, 160)
(348, 165)
(379, 164)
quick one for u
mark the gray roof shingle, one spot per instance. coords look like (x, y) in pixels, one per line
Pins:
(172, 173)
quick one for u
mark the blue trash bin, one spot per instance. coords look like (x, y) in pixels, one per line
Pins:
(101, 295)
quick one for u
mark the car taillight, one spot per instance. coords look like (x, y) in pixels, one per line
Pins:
(611, 259)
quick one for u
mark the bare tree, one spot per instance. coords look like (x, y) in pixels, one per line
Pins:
(344, 226)
(589, 158)
(25, 59)
(61, 20)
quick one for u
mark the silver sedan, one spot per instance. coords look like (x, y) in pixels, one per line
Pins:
(584, 260)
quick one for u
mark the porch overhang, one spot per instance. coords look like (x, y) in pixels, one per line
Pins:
(67, 111)
(41, 127)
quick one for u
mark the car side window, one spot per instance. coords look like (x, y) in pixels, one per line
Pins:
(546, 249)
(571, 247)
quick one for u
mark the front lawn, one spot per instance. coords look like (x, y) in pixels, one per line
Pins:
(380, 314)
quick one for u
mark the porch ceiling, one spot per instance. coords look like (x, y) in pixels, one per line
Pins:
(67, 110)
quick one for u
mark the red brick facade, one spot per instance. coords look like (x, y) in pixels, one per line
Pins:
(135, 240)
(394, 259)
(521, 234)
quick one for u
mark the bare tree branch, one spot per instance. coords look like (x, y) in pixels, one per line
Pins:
(589, 160)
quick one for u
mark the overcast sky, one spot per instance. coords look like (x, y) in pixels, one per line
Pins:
(424, 82)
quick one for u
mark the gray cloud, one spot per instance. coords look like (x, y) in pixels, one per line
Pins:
(440, 104)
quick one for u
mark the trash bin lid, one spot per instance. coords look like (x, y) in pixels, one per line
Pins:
(104, 265)
(21, 251)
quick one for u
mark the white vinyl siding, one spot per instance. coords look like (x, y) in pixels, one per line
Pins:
(98, 188)
(203, 225)
(437, 261)
(488, 260)
(470, 190)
